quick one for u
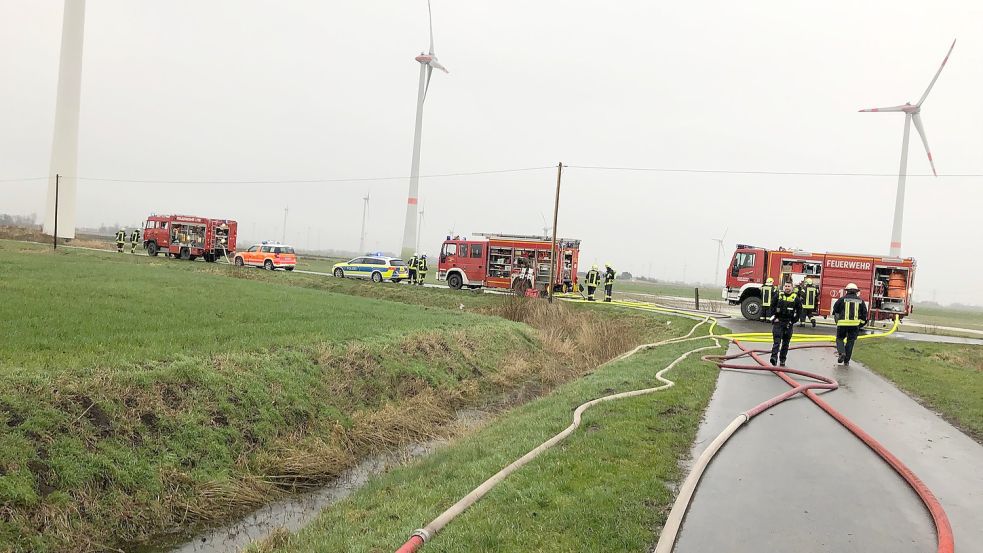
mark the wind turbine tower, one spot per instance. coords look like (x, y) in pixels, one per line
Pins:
(720, 250)
(64, 146)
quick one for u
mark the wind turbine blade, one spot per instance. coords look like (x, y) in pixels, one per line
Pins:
(724, 237)
(892, 108)
(436, 65)
(430, 18)
(936, 77)
(427, 86)
(917, 120)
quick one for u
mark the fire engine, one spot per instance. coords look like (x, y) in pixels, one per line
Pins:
(508, 261)
(186, 237)
(885, 282)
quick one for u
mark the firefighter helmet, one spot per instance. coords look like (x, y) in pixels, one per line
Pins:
(852, 287)
(770, 281)
(594, 266)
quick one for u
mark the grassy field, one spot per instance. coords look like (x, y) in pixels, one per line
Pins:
(606, 488)
(941, 316)
(664, 289)
(144, 395)
(947, 378)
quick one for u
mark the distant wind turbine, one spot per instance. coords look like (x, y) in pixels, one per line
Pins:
(419, 231)
(365, 215)
(912, 114)
(720, 250)
(546, 228)
(428, 62)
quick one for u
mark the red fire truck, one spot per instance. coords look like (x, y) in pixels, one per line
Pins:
(885, 282)
(508, 261)
(186, 237)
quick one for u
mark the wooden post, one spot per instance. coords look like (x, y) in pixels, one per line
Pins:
(553, 253)
(696, 297)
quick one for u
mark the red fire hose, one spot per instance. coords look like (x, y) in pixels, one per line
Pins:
(943, 530)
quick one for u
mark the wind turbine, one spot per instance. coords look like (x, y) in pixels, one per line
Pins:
(546, 228)
(428, 62)
(365, 215)
(912, 114)
(419, 230)
(720, 250)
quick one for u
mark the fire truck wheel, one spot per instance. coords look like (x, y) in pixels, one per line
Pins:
(185, 254)
(377, 277)
(268, 264)
(751, 308)
(339, 273)
(455, 281)
(152, 249)
(239, 262)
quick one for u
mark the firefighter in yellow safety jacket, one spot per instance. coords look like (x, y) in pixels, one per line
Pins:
(421, 269)
(120, 238)
(592, 280)
(608, 281)
(134, 238)
(768, 292)
(810, 297)
(413, 263)
(850, 313)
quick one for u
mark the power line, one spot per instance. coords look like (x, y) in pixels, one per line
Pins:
(313, 181)
(24, 180)
(785, 173)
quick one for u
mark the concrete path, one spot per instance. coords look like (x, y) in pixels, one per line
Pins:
(793, 479)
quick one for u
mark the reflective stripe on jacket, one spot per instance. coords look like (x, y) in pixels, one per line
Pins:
(851, 312)
(767, 293)
(810, 297)
(593, 277)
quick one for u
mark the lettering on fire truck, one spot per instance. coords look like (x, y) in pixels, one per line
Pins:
(844, 264)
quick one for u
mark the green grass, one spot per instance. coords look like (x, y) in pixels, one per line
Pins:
(83, 309)
(664, 289)
(144, 394)
(941, 316)
(603, 489)
(947, 378)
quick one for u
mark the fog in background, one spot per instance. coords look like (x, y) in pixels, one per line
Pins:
(264, 90)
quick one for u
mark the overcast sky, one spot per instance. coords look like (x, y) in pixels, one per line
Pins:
(281, 90)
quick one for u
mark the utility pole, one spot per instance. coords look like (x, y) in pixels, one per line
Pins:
(55, 237)
(365, 214)
(284, 238)
(556, 214)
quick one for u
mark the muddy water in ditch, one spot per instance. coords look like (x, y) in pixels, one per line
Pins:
(298, 511)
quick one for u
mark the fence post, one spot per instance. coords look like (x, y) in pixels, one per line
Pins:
(696, 297)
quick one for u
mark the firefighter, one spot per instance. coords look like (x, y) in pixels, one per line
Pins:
(850, 314)
(810, 293)
(120, 238)
(412, 264)
(787, 306)
(134, 238)
(767, 297)
(421, 269)
(592, 279)
(608, 281)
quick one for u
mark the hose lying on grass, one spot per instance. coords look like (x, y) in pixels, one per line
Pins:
(424, 534)
(667, 538)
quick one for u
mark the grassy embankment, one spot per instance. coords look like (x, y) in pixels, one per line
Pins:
(143, 396)
(606, 488)
(941, 316)
(947, 378)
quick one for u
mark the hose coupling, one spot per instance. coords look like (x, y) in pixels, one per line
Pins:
(422, 534)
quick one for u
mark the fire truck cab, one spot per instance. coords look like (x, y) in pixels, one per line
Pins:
(187, 237)
(885, 282)
(511, 261)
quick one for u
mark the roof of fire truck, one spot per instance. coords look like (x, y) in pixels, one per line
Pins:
(568, 242)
